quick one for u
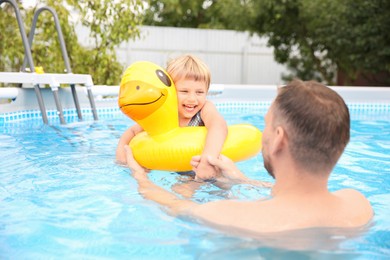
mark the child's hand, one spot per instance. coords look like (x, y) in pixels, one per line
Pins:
(222, 165)
(205, 171)
(138, 171)
(121, 156)
(227, 166)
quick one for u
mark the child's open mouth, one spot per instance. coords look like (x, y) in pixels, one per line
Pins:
(189, 108)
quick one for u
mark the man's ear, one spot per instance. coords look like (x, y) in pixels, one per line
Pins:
(279, 140)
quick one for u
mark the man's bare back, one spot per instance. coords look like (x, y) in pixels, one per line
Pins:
(344, 208)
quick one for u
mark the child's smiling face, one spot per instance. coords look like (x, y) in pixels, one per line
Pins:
(191, 97)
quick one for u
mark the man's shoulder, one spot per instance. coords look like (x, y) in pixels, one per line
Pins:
(352, 196)
(355, 203)
(349, 193)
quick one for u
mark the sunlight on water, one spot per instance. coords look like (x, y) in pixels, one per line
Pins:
(62, 195)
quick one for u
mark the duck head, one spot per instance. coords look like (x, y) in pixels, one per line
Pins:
(148, 96)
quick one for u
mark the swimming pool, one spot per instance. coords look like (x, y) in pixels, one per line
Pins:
(62, 195)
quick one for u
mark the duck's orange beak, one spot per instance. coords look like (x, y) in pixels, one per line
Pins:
(138, 99)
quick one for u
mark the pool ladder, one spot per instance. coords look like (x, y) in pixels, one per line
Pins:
(53, 79)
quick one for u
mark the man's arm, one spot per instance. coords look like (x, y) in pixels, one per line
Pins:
(151, 191)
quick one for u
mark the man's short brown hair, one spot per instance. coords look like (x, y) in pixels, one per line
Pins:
(317, 123)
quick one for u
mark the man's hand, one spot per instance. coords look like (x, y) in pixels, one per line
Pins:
(205, 171)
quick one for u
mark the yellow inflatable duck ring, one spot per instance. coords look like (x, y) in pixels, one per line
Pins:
(148, 96)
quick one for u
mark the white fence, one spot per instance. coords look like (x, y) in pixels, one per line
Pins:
(233, 57)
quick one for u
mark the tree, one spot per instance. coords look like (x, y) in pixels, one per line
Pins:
(214, 14)
(109, 22)
(318, 38)
(11, 47)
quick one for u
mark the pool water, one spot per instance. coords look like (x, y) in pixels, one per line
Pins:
(62, 196)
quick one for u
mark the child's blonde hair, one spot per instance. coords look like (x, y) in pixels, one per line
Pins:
(189, 67)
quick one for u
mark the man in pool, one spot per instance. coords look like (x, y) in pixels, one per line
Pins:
(306, 131)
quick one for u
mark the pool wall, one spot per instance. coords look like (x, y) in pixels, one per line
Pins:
(16, 100)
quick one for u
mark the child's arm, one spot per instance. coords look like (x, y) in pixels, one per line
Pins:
(229, 170)
(216, 135)
(125, 140)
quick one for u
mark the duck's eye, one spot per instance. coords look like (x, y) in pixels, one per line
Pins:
(164, 78)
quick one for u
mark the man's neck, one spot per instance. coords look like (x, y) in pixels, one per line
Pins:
(298, 182)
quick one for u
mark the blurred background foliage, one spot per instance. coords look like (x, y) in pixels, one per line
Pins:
(336, 42)
(109, 23)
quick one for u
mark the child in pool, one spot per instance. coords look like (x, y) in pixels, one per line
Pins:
(192, 81)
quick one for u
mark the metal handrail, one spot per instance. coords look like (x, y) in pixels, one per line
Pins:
(59, 32)
(28, 59)
(27, 52)
(66, 61)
